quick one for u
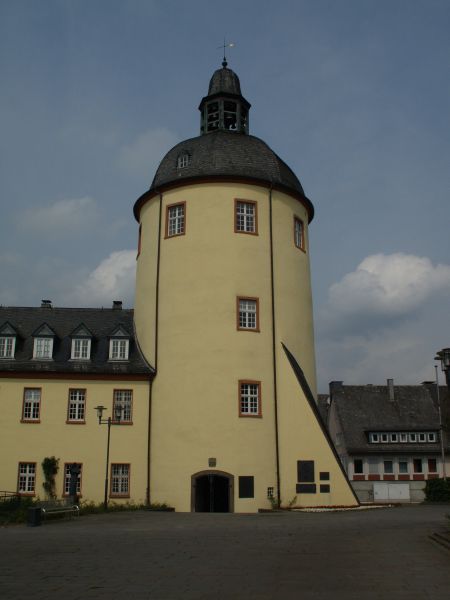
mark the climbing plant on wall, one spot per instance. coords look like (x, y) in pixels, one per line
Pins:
(50, 467)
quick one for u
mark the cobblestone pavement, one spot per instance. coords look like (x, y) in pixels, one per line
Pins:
(383, 553)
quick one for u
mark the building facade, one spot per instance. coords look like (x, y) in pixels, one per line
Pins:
(56, 366)
(223, 334)
(390, 438)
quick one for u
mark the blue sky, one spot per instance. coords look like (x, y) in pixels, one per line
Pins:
(353, 94)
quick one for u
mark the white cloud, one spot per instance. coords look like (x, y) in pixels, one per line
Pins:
(142, 156)
(112, 279)
(384, 319)
(386, 287)
(60, 218)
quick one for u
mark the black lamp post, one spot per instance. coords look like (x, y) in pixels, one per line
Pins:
(444, 357)
(118, 411)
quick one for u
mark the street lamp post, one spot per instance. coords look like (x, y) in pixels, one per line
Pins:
(444, 357)
(118, 410)
(441, 427)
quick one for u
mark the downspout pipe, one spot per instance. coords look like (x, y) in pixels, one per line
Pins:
(274, 359)
(150, 390)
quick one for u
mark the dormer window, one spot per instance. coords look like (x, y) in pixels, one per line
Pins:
(118, 349)
(7, 341)
(119, 344)
(183, 160)
(43, 347)
(7, 344)
(81, 349)
(81, 343)
(43, 342)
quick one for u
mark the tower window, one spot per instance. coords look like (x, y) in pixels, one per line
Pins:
(299, 234)
(230, 115)
(249, 399)
(246, 217)
(175, 219)
(183, 161)
(248, 314)
(212, 116)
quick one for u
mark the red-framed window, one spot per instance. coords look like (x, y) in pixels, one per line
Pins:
(120, 480)
(31, 407)
(246, 216)
(175, 219)
(26, 479)
(249, 398)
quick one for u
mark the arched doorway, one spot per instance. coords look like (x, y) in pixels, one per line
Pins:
(212, 491)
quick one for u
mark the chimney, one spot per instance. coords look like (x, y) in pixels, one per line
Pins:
(117, 305)
(335, 386)
(46, 304)
(390, 384)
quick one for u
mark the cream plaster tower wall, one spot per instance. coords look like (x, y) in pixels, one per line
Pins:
(224, 313)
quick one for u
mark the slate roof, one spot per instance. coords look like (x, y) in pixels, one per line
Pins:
(224, 81)
(64, 321)
(361, 409)
(227, 155)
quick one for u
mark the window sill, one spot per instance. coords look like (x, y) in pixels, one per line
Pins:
(113, 422)
(174, 235)
(252, 330)
(27, 493)
(246, 416)
(119, 496)
(74, 422)
(30, 420)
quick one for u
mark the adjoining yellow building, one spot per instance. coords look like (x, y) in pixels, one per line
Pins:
(224, 410)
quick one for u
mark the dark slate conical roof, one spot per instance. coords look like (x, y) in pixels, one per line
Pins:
(226, 81)
(224, 154)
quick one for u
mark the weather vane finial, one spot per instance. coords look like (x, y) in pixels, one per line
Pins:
(224, 46)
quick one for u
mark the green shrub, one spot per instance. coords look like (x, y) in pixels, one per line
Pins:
(12, 511)
(437, 490)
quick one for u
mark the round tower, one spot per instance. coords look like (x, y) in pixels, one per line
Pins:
(223, 305)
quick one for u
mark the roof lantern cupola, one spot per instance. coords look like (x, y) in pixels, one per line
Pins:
(224, 108)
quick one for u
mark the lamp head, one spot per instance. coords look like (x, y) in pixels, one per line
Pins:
(100, 410)
(444, 356)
